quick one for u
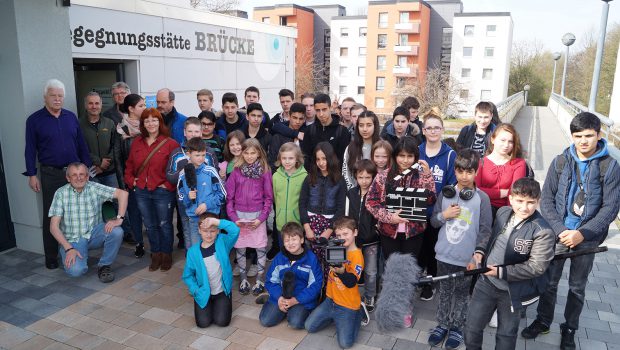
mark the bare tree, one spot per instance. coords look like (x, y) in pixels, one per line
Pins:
(215, 5)
(309, 73)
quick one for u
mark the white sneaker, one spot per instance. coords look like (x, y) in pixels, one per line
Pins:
(253, 271)
(493, 322)
(236, 271)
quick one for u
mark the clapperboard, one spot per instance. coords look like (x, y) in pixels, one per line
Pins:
(412, 201)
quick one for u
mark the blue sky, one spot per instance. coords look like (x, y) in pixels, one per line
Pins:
(542, 20)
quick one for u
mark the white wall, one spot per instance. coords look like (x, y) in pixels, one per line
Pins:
(353, 61)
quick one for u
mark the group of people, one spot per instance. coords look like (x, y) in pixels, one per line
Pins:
(306, 175)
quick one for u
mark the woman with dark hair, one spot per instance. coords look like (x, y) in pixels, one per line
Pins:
(366, 134)
(126, 132)
(145, 174)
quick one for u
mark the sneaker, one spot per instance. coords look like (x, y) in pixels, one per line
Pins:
(105, 274)
(253, 271)
(493, 322)
(428, 292)
(455, 339)
(365, 315)
(534, 329)
(236, 271)
(258, 288)
(244, 287)
(139, 252)
(437, 336)
(370, 304)
(568, 339)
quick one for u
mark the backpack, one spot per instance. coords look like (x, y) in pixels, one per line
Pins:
(603, 164)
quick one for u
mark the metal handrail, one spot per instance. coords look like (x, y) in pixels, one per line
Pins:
(504, 107)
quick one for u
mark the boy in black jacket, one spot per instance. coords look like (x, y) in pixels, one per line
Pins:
(518, 254)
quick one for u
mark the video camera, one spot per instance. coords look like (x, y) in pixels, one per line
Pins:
(335, 253)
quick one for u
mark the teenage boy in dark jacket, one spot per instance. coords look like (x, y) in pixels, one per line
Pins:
(477, 135)
(580, 201)
(518, 254)
(327, 128)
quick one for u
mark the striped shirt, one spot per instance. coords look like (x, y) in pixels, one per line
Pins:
(80, 211)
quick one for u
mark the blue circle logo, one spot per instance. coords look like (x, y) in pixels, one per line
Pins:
(276, 44)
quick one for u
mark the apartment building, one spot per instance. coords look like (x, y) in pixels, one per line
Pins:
(323, 15)
(480, 62)
(348, 57)
(397, 51)
(440, 37)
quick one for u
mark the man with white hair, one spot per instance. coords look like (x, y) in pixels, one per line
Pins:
(54, 138)
(119, 91)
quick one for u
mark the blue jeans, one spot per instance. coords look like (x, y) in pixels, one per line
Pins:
(484, 300)
(109, 180)
(347, 321)
(580, 268)
(191, 235)
(371, 261)
(110, 242)
(156, 208)
(270, 315)
(133, 220)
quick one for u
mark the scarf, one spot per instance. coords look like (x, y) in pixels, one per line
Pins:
(252, 171)
(132, 125)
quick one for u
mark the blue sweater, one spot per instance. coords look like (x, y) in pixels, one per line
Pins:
(210, 190)
(442, 168)
(195, 274)
(308, 279)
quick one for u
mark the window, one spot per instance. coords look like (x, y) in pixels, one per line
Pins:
(489, 51)
(403, 39)
(362, 51)
(400, 82)
(344, 32)
(404, 17)
(361, 90)
(491, 30)
(283, 20)
(469, 31)
(465, 72)
(467, 51)
(342, 90)
(382, 41)
(464, 94)
(383, 19)
(380, 83)
(402, 61)
(361, 71)
(266, 20)
(363, 31)
(343, 71)
(380, 62)
(485, 95)
(344, 51)
(487, 74)
(379, 102)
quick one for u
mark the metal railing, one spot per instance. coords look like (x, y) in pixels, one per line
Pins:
(509, 107)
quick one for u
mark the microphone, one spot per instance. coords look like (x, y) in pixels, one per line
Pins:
(190, 178)
(288, 284)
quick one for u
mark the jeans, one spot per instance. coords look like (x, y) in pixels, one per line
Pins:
(110, 242)
(191, 235)
(133, 219)
(452, 313)
(485, 299)
(156, 208)
(371, 260)
(270, 315)
(347, 321)
(580, 268)
(218, 310)
(109, 180)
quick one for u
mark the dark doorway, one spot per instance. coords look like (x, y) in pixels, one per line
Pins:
(7, 231)
(96, 75)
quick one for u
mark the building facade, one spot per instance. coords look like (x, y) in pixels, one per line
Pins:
(323, 15)
(481, 47)
(348, 57)
(397, 51)
(440, 37)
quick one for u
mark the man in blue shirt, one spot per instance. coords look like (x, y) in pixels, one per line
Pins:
(54, 137)
(174, 120)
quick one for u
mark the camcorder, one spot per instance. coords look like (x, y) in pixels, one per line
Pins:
(335, 252)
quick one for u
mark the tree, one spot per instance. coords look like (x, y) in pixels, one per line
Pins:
(309, 73)
(215, 5)
(533, 66)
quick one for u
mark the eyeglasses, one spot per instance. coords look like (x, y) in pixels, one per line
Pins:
(434, 129)
(208, 124)
(124, 93)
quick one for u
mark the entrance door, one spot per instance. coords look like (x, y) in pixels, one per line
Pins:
(96, 75)
(7, 231)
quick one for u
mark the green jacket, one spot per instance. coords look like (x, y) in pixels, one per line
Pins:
(100, 139)
(286, 191)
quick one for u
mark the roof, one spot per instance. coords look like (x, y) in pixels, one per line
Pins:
(348, 17)
(266, 8)
(391, 2)
(482, 14)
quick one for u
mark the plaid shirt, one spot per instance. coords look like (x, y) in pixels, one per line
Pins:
(80, 211)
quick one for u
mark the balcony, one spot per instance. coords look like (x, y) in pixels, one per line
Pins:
(407, 50)
(407, 27)
(407, 72)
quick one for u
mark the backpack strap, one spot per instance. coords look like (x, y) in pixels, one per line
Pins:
(603, 165)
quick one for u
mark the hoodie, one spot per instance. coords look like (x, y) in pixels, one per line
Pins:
(222, 128)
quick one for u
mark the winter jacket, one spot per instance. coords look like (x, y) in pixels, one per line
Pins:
(277, 140)
(248, 195)
(222, 128)
(602, 204)
(195, 274)
(263, 136)
(337, 135)
(279, 126)
(100, 141)
(113, 114)
(366, 223)
(324, 198)
(529, 251)
(376, 200)
(210, 190)
(492, 178)
(154, 173)
(308, 279)
(121, 149)
(388, 133)
(286, 191)
(175, 122)
(179, 158)
(467, 135)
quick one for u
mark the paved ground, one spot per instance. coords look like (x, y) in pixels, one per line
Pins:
(42, 309)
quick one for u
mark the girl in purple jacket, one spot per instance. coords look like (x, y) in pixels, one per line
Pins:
(250, 197)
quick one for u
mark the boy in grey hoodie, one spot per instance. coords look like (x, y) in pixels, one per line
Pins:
(464, 214)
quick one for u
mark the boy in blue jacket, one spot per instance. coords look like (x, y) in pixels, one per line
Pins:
(208, 274)
(294, 281)
(206, 195)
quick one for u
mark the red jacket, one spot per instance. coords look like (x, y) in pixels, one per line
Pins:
(154, 173)
(492, 178)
